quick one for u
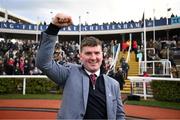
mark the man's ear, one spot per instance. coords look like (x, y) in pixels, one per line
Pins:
(80, 56)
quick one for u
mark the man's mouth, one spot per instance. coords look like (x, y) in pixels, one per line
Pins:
(93, 62)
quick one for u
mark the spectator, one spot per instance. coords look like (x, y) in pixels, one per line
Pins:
(26, 67)
(128, 43)
(135, 46)
(175, 72)
(125, 68)
(150, 44)
(119, 77)
(173, 63)
(17, 70)
(21, 65)
(158, 68)
(124, 46)
(139, 56)
(122, 59)
(145, 74)
(10, 66)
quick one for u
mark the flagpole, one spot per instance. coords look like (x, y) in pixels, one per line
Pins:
(37, 30)
(167, 18)
(154, 33)
(167, 32)
(79, 33)
(167, 15)
(145, 55)
(168, 9)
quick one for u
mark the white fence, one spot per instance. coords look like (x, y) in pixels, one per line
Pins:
(161, 67)
(133, 79)
(145, 81)
(24, 77)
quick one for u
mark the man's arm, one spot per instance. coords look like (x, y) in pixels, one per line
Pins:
(44, 59)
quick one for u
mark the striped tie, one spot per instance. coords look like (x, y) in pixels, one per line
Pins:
(93, 80)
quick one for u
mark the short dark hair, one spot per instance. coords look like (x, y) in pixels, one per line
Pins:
(90, 41)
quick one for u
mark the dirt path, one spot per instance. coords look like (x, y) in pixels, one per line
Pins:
(131, 110)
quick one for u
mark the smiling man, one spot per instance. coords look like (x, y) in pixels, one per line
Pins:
(91, 54)
(88, 93)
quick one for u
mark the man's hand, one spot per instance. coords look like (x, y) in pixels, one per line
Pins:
(62, 20)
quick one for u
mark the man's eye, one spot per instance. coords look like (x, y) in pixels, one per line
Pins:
(97, 53)
(88, 53)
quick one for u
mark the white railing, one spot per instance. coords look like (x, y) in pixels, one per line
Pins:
(164, 67)
(129, 52)
(144, 81)
(116, 56)
(115, 59)
(24, 77)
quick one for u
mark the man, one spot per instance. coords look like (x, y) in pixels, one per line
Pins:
(119, 77)
(82, 98)
(125, 68)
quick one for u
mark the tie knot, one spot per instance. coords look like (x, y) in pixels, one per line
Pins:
(93, 78)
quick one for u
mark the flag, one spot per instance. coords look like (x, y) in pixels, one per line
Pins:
(169, 9)
(142, 20)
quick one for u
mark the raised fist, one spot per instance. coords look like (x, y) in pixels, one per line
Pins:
(62, 20)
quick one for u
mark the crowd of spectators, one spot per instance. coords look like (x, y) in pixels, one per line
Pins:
(18, 58)
(163, 49)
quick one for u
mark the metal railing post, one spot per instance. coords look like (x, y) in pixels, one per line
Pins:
(24, 86)
(144, 89)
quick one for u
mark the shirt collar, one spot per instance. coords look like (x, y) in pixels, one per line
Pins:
(97, 72)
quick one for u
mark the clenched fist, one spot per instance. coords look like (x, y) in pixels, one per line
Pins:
(62, 20)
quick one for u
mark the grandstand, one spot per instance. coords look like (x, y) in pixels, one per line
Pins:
(26, 34)
(6, 15)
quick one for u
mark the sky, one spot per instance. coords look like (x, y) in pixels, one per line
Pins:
(92, 11)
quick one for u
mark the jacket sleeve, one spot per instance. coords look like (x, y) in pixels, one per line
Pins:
(120, 115)
(45, 62)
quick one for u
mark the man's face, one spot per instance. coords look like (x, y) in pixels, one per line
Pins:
(91, 57)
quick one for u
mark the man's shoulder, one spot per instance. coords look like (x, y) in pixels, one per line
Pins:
(111, 80)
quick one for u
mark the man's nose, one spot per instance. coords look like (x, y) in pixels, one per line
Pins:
(93, 56)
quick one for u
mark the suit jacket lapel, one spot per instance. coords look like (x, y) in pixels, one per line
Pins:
(85, 89)
(108, 96)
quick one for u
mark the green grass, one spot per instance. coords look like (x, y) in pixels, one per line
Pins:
(155, 103)
(32, 96)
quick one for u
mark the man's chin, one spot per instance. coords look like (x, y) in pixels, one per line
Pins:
(94, 70)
